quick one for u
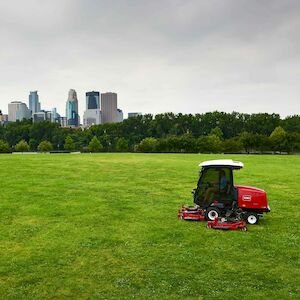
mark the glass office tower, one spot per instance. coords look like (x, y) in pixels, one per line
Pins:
(92, 100)
(72, 109)
(34, 104)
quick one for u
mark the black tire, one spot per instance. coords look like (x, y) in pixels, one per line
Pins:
(251, 218)
(212, 213)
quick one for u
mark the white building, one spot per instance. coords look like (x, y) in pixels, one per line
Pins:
(92, 114)
(18, 110)
(91, 117)
(119, 115)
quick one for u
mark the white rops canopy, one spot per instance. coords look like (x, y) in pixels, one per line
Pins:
(222, 163)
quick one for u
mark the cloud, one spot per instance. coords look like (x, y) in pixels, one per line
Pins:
(185, 56)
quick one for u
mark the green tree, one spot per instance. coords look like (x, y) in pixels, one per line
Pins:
(293, 142)
(33, 144)
(4, 147)
(69, 144)
(218, 132)
(186, 143)
(232, 145)
(95, 145)
(261, 142)
(291, 124)
(22, 146)
(209, 144)
(214, 143)
(122, 145)
(248, 140)
(147, 145)
(278, 139)
(168, 144)
(45, 146)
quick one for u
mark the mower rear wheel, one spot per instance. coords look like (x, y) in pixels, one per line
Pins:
(251, 218)
(212, 213)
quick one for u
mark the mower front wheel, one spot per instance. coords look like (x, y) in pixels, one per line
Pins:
(251, 218)
(212, 213)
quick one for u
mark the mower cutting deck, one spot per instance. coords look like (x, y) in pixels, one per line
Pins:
(219, 223)
(193, 213)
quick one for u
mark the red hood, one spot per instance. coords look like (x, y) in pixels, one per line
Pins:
(250, 197)
(250, 188)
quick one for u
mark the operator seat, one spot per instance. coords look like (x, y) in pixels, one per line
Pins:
(226, 195)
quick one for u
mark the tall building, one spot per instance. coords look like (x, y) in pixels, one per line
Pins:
(92, 100)
(109, 107)
(92, 114)
(42, 116)
(55, 116)
(63, 121)
(34, 104)
(72, 109)
(119, 115)
(18, 110)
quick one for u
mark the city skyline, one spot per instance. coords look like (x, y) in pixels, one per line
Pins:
(100, 108)
(38, 103)
(180, 56)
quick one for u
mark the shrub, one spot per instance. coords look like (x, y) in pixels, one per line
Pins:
(4, 147)
(22, 146)
(147, 145)
(95, 145)
(278, 139)
(122, 145)
(69, 144)
(44, 146)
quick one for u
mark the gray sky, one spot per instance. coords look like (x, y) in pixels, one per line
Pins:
(167, 55)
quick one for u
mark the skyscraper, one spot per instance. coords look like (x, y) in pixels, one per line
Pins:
(72, 109)
(34, 104)
(92, 114)
(55, 116)
(92, 100)
(109, 107)
(18, 110)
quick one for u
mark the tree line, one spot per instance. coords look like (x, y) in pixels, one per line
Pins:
(212, 132)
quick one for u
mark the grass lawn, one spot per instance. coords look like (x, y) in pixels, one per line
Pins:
(105, 226)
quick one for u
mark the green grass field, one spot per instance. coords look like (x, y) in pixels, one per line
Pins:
(105, 226)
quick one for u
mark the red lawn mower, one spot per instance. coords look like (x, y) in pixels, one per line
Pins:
(216, 196)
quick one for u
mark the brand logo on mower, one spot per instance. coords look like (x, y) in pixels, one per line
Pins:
(247, 198)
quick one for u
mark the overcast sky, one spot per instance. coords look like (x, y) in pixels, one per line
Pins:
(159, 56)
